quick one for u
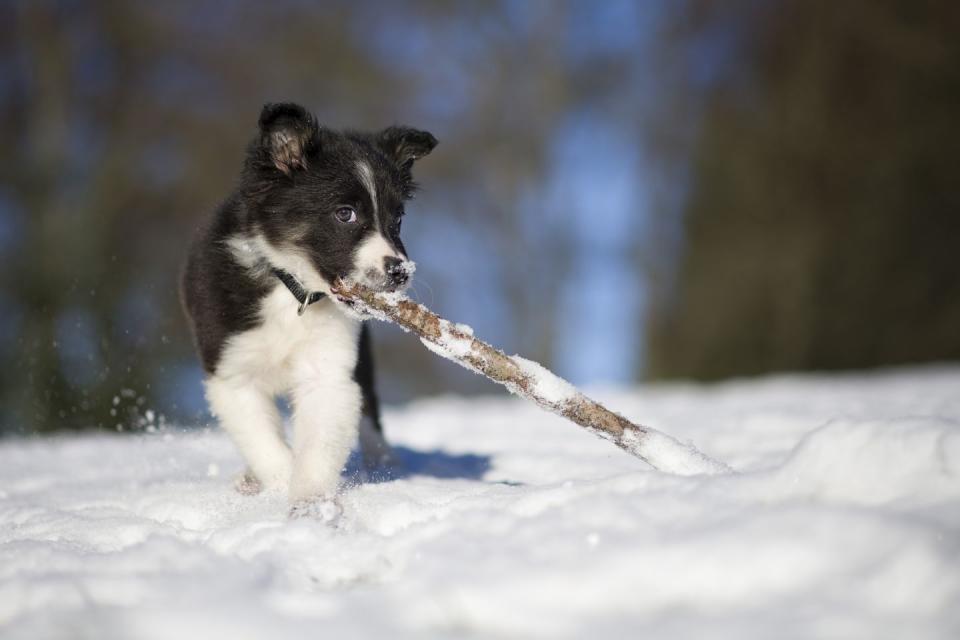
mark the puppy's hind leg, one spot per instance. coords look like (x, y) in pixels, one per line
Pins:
(373, 446)
(248, 414)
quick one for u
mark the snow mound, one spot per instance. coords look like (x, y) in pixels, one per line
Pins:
(504, 521)
(874, 462)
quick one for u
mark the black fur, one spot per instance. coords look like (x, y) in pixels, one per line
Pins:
(363, 374)
(296, 175)
(219, 296)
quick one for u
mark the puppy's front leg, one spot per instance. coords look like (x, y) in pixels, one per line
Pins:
(325, 419)
(249, 415)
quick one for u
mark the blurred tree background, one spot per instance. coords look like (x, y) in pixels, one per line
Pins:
(822, 222)
(623, 189)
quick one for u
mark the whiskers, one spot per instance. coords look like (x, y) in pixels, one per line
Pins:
(414, 294)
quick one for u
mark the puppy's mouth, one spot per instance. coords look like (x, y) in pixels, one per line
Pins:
(393, 280)
(352, 306)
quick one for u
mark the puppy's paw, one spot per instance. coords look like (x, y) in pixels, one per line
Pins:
(247, 484)
(323, 509)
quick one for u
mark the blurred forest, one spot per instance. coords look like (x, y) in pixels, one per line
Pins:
(823, 217)
(622, 189)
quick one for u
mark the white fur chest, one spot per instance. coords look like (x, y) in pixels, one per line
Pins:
(288, 349)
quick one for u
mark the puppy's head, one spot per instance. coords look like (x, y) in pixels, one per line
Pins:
(327, 205)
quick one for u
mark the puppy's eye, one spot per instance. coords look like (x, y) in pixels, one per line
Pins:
(347, 215)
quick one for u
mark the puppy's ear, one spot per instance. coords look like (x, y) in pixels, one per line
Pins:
(404, 145)
(288, 133)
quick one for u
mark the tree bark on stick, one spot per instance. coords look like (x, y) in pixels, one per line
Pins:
(529, 380)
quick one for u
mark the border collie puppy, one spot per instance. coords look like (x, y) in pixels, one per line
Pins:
(312, 205)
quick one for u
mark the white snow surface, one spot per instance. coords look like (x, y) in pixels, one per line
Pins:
(842, 521)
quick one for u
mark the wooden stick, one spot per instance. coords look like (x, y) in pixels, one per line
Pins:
(528, 379)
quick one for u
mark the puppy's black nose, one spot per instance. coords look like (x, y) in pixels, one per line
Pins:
(397, 273)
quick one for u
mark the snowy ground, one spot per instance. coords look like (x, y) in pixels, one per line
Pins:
(842, 523)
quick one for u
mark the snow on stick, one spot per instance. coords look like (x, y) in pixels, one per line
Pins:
(529, 380)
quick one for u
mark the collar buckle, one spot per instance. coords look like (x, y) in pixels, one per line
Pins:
(297, 290)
